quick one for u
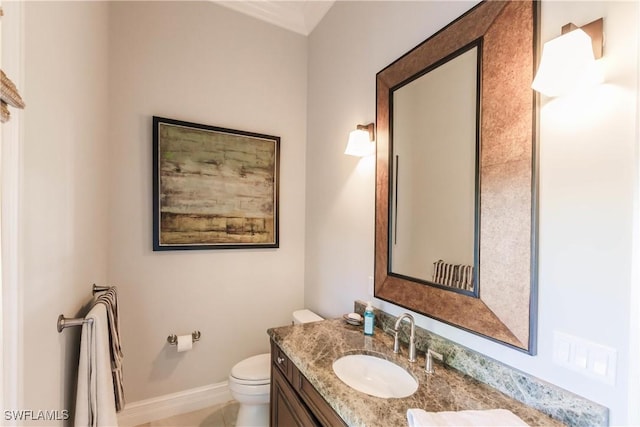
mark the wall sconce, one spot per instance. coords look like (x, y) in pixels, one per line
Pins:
(361, 141)
(568, 61)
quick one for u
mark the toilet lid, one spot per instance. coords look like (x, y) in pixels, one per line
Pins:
(255, 368)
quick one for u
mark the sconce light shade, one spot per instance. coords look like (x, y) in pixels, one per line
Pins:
(361, 141)
(568, 63)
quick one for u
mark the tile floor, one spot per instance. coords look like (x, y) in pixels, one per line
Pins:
(223, 415)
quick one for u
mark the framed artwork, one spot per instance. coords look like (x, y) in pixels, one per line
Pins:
(213, 188)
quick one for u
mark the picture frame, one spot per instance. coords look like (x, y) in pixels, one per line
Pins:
(213, 187)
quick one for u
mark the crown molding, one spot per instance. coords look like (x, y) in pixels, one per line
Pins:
(300, 16)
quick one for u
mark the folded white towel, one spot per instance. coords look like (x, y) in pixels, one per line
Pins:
(489, 417)
(95, 403)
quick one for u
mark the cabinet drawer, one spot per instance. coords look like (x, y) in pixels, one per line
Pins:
(282, 362)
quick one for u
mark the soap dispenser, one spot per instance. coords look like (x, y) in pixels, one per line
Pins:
(369, 318)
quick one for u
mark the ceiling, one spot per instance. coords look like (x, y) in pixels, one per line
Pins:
(300, 16)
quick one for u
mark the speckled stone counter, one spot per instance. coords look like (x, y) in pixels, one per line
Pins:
(560, 404)
(313, 347)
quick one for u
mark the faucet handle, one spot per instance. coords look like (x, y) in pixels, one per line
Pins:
(429, 360)
(396, 342)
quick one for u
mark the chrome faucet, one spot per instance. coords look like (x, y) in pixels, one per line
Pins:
(412, 337)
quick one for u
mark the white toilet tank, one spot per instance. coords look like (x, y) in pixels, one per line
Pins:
(305, 316)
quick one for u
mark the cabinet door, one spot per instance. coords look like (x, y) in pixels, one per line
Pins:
(286, 408)
(315, 402)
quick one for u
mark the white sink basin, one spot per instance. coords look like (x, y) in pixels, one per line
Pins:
(375, 376)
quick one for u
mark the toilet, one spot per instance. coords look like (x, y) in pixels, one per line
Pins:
(250, 381)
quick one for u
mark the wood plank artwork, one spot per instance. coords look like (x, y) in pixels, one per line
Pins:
(216, 188)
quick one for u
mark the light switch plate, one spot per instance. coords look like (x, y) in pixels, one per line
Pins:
(589, 358)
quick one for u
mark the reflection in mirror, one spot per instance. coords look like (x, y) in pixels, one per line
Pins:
(434, 207)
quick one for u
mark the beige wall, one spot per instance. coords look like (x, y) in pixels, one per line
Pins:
(588, 185)
(354, 41)
(64, 188)
(199, 62)
(95, 74)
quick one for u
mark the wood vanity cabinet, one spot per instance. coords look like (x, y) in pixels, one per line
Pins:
(294, 401)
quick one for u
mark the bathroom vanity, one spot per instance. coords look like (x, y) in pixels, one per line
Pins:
(305, 390)
(294, 401)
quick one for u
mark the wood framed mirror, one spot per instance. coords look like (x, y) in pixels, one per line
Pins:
(474, 76)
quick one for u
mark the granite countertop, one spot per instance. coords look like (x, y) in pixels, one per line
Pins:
(313, 347)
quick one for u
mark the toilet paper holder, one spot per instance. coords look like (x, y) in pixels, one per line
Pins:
(173, 338)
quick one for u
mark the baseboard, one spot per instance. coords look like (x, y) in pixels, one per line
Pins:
(156, 408)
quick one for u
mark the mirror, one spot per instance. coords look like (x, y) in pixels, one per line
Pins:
(434, 206)
(493, 178)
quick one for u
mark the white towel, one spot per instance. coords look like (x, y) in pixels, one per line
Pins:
(489, 417)
(95, 402)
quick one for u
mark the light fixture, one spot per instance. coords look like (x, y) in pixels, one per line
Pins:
(361, 141)
(569, 61)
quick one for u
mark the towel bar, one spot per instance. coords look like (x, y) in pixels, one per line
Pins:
(64, 322)
(97, 288)
(173, 338)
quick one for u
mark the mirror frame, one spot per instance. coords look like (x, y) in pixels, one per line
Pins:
(509, 32)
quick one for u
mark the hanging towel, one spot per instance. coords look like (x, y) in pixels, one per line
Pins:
(486, 418)
(95, 401)
(454, 275)
(110, 300)
(9, 93)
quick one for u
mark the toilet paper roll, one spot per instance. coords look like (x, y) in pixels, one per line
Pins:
(185, 343)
